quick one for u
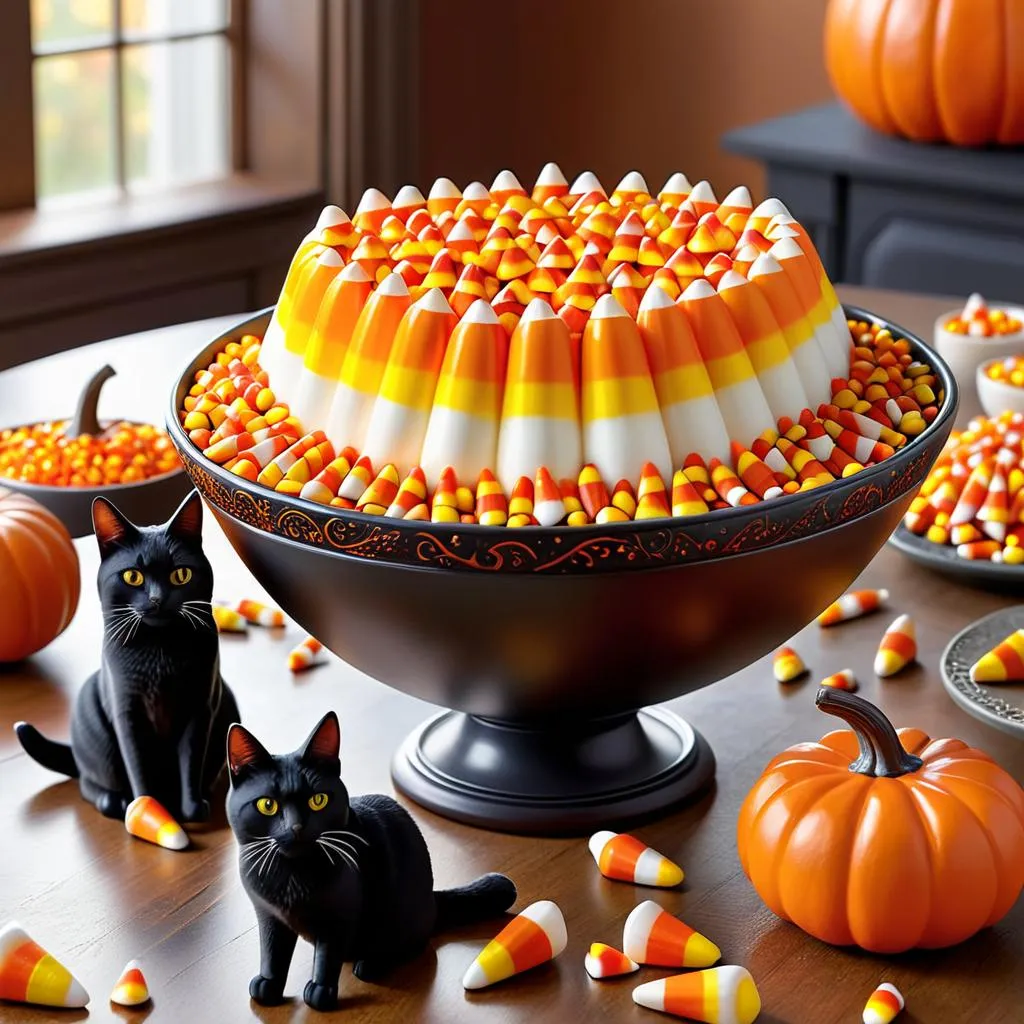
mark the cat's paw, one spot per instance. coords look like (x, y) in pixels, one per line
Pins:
(371, 970)
(266, 991)
(112, 805)
(321, 997)
(195, 812)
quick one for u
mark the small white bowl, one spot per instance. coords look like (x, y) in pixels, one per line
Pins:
(965, 353)
(996, 396)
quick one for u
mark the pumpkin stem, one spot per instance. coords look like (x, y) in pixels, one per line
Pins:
(881, 753)
(84, 421)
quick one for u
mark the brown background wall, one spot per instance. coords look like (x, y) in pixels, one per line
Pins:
(610, 84)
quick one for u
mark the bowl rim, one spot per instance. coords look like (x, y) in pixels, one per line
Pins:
(875, 473)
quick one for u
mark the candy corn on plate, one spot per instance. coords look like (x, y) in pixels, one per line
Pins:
(560, 356)
(983, 669)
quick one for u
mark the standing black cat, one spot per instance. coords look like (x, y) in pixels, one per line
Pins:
(352, 877)
(154, 718)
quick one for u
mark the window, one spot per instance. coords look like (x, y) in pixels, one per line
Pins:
(130, 95)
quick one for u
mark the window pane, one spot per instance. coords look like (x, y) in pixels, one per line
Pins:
(57, 23)
(176, 111)
(74, 122)
(167, 17)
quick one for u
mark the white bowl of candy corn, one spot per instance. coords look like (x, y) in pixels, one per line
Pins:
(1000, 384)
(973, 335)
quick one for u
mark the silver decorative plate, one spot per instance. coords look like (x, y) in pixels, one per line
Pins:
(1000, 705)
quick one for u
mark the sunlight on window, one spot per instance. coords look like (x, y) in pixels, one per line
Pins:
(172, 60)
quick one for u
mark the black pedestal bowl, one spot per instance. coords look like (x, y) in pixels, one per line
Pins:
(548, 641)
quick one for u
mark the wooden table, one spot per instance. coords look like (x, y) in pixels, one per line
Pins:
(96, 897)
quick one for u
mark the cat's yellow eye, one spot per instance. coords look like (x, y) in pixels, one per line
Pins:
(133, 577)
(267, 806)
(181, 576)
(318, 801)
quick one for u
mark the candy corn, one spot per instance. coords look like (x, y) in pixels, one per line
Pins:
(787, 665)
(653, 936)
(1004, 663)
(131, 988)
(607, 962)
(722, 995)
(228, 619)
(535, 936)
(259, 614)
(305, 655)
(146, 818)
(884, 1005)
(844, 680)
(898, 647)
(28, 974)
(626, 859)
(852, 605)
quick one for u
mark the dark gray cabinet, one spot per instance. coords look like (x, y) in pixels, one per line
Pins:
(889, 213)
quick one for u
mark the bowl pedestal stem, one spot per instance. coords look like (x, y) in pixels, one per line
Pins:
(563, 777)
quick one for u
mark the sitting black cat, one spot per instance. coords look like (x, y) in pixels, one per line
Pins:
(154, 718)
(352, 877)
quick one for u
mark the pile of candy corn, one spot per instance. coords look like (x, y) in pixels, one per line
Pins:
(973, 499)
(979, 320)
(1009, 371)
(235, 418)
(125, 453)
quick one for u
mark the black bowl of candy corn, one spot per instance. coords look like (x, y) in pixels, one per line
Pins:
(545, 640)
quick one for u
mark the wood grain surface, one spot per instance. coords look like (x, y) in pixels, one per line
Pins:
(95, 897)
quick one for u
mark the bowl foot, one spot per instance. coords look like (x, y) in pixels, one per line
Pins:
(559, 779)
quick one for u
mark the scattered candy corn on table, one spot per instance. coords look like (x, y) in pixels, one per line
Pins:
(97, 898)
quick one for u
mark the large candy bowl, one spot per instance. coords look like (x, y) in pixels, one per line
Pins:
(547, 642)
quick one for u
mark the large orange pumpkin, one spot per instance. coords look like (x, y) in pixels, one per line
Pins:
(39, 578)
(882, 840)
(931, 70)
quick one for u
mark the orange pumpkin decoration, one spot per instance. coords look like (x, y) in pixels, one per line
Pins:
(884, 840)
(39, 578)
(931, 70)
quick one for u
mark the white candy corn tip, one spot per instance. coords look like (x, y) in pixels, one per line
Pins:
(770, 208)
(331, 217)
(551, 174)
(598, 841)
(785, 249)
(740, 197)
(393, 284)
(702, 192)
(373, 199)
(408, 195)
(433, 302)
(766, 263)
(677, 184)
(607, 307)
(330, 258)
(444, 188)
(731, 279)
(506, 181)
(537, 309)
(655, 298)
(354, 273)
(633, 181)
(748, 254)
(701, 288)
(480, 312)
(780, 228)
(460, 232)
(586, 182)
(476, 190)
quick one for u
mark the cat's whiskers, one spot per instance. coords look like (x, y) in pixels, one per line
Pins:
(269, 862)
(345, 832)
(342, 843)
(255, 847)
(329, 845)
(123, 624)
(260, 863)
(327, 852)
(133, 630)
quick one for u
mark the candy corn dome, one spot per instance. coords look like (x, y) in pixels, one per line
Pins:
(560, 354)
(973, 499)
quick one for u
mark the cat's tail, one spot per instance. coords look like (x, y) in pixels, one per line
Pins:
(487, 896)
(55, 756)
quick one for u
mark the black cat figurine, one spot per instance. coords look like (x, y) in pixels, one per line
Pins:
(351, 876)
(154, 718)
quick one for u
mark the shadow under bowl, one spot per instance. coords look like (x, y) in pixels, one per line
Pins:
(548, 640)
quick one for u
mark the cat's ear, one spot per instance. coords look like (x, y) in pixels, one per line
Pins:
(324, 743)
(244, 752)
(187, 523)
(111, 528)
